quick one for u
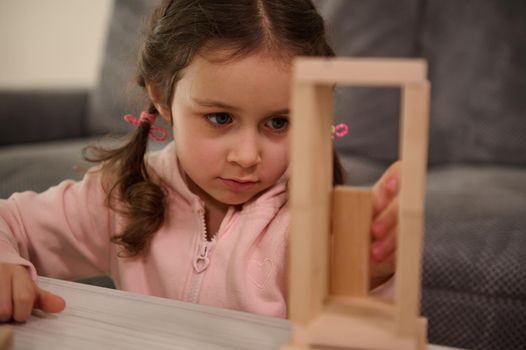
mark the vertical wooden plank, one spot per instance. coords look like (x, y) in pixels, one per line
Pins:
(414, 135)
(6, 338)
(351, 222)
(310, 190)
(421, 334)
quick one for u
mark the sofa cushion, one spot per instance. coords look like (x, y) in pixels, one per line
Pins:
(38, 166)
(474, 280)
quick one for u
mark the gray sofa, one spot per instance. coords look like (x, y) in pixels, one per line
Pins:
(474, 279)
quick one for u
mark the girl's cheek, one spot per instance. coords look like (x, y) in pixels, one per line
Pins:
(279, 157)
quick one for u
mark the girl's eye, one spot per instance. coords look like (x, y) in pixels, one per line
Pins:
(219, 119)
(279, 124)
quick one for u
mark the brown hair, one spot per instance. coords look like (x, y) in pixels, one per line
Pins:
(178, 30)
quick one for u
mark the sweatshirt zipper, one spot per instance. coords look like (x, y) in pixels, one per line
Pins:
(201, 261)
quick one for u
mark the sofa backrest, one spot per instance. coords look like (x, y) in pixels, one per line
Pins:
(372, 28)
(477, 66)
(116, 93)
(477, 55)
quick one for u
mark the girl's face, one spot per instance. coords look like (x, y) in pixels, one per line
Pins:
(231, 124)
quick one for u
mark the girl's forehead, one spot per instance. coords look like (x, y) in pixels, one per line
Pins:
(257, 65)
(256, 81)
(223, 55)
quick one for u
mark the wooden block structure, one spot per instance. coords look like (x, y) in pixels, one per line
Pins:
(6, 338)
(329, 301)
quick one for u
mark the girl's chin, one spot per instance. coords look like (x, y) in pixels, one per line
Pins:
(236, 199)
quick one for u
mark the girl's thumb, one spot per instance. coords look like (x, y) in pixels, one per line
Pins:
(49, 302)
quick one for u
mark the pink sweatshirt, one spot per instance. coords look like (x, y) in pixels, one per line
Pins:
(65, 233)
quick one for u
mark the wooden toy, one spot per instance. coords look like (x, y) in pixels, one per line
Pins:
(6, 338)
(329, 301)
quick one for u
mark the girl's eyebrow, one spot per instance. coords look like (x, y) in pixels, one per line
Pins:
(281, 111)
(212, 103)
(219, 104)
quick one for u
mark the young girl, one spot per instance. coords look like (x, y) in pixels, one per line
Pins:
(205, 220)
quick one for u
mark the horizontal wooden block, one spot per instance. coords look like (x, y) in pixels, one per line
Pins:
(360, 71)
(336, 330)
(367, 307)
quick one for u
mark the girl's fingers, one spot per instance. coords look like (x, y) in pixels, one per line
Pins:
(383, 248)
(49, 302)
(386, 221)
(19, 295)
(6, 303)
(385, 189)
(381, 272)
(23, 295)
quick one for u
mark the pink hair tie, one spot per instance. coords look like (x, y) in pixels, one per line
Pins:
(340, 130)
(156, 133)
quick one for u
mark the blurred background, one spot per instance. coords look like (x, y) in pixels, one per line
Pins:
(52, 43)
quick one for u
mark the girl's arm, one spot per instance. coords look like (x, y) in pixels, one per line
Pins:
(63, 232)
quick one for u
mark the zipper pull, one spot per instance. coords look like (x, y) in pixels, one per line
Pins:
(202, 260)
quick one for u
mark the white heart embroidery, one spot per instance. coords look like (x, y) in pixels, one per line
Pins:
(259, 272)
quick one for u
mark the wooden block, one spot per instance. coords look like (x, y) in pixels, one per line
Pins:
(360, 71)
(344, 331)
(295, 347)
(365, 307)
(358, 323)
(413, 149)
(320, 319)
(352, 211)
(310, 195)
(414, 125)
(408, 271)
(6, 338)
(422, 333)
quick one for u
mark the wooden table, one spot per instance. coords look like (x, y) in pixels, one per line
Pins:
(101, 318)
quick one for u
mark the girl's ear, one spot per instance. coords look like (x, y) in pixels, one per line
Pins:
(158, 101)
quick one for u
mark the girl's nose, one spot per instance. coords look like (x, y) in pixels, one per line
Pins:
(245, 151)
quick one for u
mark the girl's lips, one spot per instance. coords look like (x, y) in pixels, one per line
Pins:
(239, 186)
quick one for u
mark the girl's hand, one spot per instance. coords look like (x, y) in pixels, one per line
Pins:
(384, 225)
(19, 295)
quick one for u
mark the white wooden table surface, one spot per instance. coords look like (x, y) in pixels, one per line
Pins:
(101, 318)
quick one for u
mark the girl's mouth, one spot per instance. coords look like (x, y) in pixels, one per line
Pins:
(239, 185)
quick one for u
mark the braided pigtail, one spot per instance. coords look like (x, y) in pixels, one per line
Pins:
(131, 190)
